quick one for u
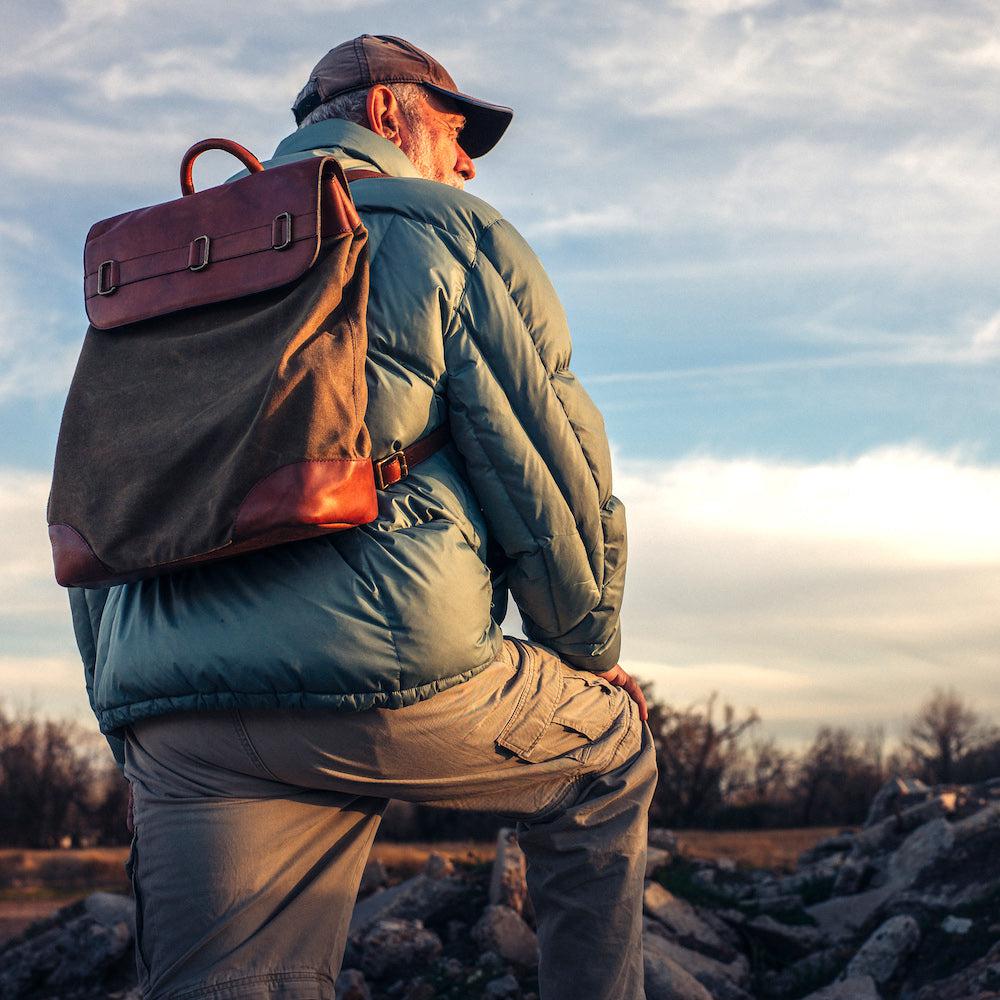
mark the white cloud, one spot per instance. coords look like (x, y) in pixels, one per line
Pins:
(27, 586)
(814, 62)
(609, 219)
(974, 342)
(35, 358)
(40, 669)
(841, 591)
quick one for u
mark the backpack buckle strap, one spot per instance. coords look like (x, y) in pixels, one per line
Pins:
(394, 467)
(108, 277)
(386, 474)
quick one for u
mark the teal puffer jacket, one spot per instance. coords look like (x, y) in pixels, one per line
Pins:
(464, 328)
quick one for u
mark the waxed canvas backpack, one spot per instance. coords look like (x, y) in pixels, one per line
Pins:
(219, 400)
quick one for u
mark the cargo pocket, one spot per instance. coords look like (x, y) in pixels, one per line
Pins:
(141, 966)
(560, 712)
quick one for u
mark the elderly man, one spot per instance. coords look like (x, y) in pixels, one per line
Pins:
(272, 704)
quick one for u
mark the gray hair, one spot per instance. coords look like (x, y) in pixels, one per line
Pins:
(351, 105)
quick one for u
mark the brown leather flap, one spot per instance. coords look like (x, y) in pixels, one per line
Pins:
(256, 233)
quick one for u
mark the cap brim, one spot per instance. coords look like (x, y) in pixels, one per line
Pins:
(484, 123)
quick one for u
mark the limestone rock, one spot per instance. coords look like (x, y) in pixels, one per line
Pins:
(508, 886)
(504, 931)
(893, 796)
(504, 988)
(656, 858)
(420, 989)
(820, 966)
(724, 980)
(801, 939)
(110, 908)
(438, 866)
(806, 877)
(850, 876)
(418, 898)
(842, 916)
(393, 946)
(840, 843)
(351, 985)
(978, 981)
(956, 925)
(75, 949)
(658, 836)
(373, 877)
(855, 988)
(665, 979)
(679, 916)
(877, 838)
(888, 947)
(920, 850)
(979, 822)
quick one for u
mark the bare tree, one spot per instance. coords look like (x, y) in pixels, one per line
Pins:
(838, 775)
(699, 759)
(945, 729)
(56, 785)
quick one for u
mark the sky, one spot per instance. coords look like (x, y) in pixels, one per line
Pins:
(773, 226)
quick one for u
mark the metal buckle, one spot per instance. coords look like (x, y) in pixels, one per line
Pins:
(396, 456)
(287, 219)
(107, 269)
(206, 244)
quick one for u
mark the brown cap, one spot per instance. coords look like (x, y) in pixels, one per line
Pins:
(371, 59)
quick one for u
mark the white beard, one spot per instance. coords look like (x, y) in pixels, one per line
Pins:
(421, 155)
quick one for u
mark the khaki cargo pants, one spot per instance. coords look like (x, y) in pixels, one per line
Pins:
(252, 827)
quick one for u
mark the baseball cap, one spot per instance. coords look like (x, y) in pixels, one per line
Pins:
(370, 59)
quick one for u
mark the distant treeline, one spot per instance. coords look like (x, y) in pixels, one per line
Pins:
(59, 787)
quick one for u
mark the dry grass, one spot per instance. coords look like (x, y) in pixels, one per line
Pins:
(777, 849)
(405, 859)
(34, 873)
(33, 883)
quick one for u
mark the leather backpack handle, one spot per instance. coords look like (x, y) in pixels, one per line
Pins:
(226, 145)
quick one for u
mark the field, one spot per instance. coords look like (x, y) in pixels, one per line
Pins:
(34, 883)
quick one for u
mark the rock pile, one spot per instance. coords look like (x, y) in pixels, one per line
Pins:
(906, 908)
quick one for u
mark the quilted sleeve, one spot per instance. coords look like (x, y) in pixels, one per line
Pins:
(536, 452)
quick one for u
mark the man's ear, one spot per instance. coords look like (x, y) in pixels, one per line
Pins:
(384, 116)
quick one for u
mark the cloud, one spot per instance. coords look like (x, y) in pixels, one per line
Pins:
(774, 60)
(833, 592)
(973, 343)
(39, 665)
(35, 358)
(609, 219)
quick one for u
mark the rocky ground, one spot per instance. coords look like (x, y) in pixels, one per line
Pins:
(906, 908)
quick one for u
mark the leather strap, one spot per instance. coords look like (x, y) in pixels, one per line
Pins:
(214, 249)
(360, 174)
(396, 466)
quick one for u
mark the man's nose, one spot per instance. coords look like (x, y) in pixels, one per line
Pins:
(464, 166)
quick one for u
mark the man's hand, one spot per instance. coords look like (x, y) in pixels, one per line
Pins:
(617, 676)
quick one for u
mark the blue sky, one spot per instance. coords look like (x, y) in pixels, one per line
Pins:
(774, 228)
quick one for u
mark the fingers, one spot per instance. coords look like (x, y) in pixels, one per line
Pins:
(635, 693)
(620, 678)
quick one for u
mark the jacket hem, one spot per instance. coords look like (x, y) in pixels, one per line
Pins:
(112, 720)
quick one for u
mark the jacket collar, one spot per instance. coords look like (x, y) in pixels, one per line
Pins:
(354, 145)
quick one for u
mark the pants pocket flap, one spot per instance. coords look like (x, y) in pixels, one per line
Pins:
(535, 708)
